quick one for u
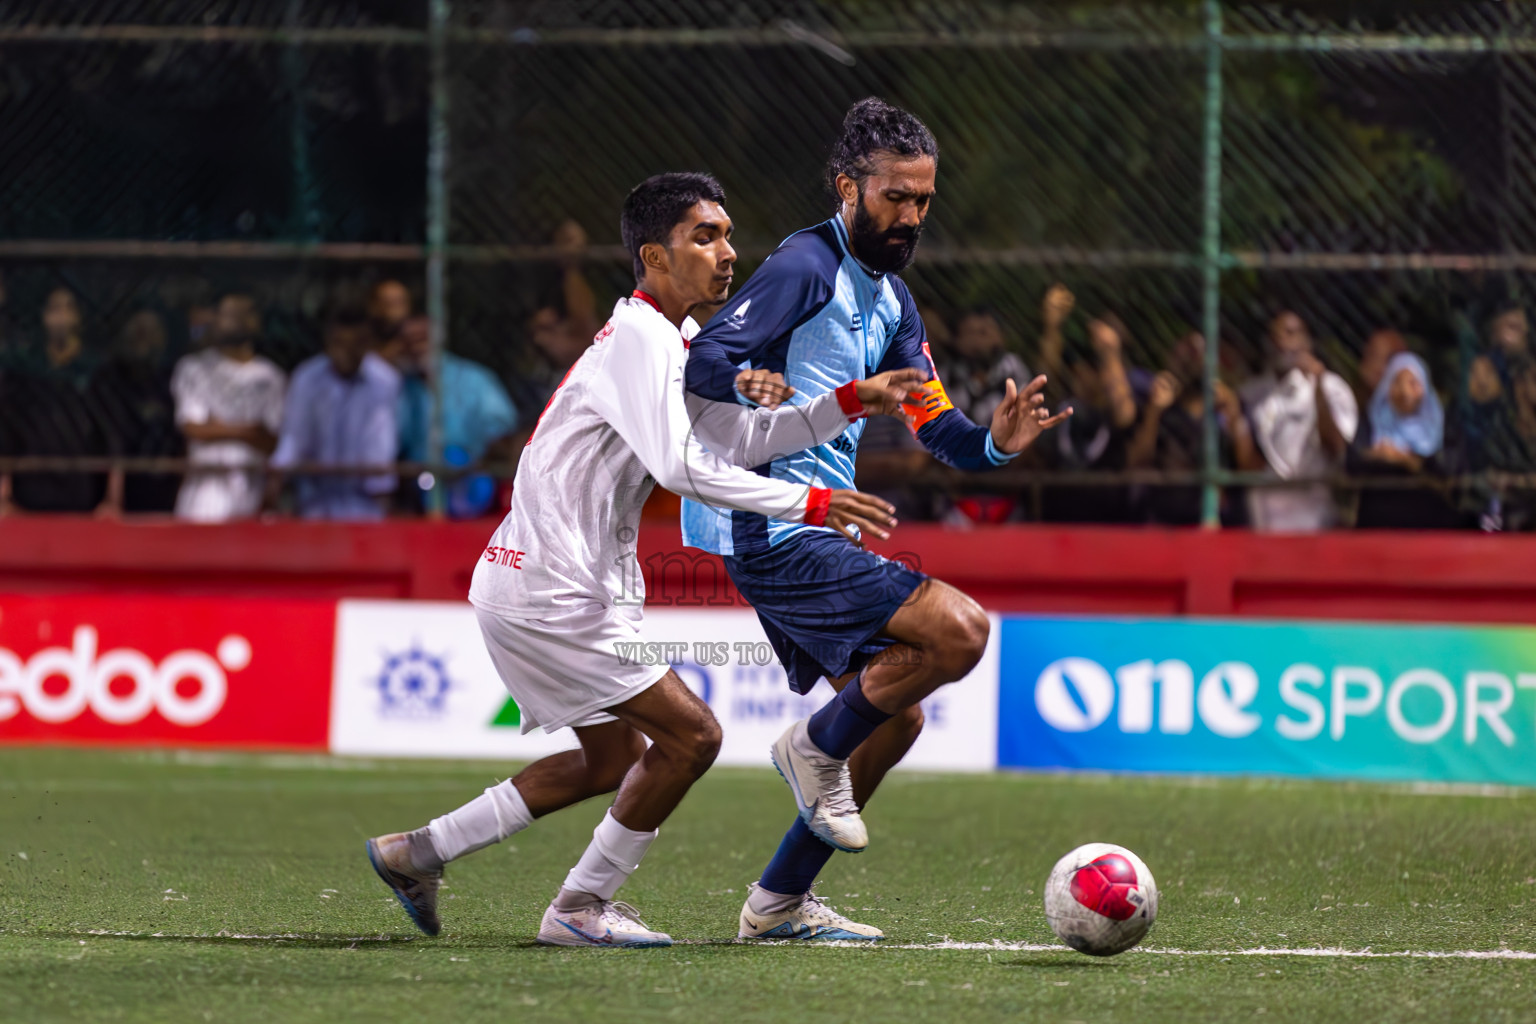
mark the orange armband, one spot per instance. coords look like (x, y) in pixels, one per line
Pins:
(935, 402)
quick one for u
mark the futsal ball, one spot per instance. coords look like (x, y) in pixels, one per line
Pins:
(1100, 899)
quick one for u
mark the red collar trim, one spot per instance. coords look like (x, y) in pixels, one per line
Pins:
(638, 294)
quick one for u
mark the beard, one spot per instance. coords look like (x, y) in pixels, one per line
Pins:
(885, 252)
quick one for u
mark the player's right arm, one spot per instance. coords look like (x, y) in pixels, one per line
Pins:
(787, 290)
(638, 389)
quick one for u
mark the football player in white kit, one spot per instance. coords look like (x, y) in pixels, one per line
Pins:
(558, 587)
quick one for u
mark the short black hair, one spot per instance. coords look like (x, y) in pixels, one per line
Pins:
(874, 126)
(653, 208)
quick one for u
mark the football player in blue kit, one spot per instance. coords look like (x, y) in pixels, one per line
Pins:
(827, 307)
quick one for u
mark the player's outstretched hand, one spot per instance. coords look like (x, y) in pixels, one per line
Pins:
(1022, 417)
(885, 393)
(764, 387)
(853, 509)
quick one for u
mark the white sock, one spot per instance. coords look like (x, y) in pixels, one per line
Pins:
(489, 818)
(614, 854)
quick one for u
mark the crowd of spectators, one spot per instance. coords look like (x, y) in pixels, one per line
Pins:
(252, 437)
(1307, 448)
(256, 440)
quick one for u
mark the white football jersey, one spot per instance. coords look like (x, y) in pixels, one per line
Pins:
(618, 424)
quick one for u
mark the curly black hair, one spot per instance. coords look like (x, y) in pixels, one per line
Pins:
(874, 126)
(653, 208)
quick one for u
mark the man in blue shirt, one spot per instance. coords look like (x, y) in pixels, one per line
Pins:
(824, 308)
(478, 417)
(340, 411)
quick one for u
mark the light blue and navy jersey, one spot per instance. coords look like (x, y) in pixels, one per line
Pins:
(815, 314)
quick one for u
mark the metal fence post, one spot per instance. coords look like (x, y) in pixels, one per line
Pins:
(1210, 264)
(437, 234)
(304, 216)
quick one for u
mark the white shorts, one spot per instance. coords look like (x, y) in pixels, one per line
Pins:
(565, 669)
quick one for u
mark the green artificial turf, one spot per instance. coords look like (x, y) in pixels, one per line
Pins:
(202, 863)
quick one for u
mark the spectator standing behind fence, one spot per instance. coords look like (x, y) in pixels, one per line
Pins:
(554, 345)
(975, 367)
(1170, 437)
(340, 411)
(892, 461)
(1485, 437)
(1380, 347)
(562, 325)
(389, 307)
(1403, 435)
(478, 417)
(1304, 418)
(229, 405)
(131, 393)
(48, 413)
(1509, 333)
(1103, 412)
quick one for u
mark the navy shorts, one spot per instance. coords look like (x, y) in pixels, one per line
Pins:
(822, 601)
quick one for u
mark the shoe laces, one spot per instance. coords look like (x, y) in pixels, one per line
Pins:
(836, 785)
(813, 904)
(622, 911)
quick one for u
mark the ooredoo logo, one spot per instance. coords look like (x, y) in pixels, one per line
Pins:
(121, 686)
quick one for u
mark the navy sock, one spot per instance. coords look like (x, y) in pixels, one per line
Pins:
(794, 867)
(845, 722)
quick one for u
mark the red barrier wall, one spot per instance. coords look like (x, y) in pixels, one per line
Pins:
(1460, 577)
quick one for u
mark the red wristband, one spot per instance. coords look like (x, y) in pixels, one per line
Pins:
(848, 401)
(816, 504)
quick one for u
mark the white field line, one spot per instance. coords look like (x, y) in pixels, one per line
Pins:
(988, 947)
(102, 933)
(1028, 947)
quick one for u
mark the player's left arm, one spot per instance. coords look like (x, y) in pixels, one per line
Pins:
(948, 433)
(793, 283)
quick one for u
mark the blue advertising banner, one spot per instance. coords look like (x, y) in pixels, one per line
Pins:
(1405, 702)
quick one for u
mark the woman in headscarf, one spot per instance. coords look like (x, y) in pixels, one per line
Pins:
(1406, 432)
(1406, 420)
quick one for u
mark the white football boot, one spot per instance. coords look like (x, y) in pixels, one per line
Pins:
(610, 923)
(809, 920)
(823, 791)
(415, 889)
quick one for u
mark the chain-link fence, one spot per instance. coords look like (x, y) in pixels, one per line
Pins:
(1188, 171)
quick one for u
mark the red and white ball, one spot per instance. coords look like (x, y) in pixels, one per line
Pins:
(1100, 899)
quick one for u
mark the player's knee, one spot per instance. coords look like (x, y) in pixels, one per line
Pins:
(700, 746)
(965, 640)
(910, 722)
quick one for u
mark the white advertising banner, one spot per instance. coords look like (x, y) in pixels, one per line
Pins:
(412, 679)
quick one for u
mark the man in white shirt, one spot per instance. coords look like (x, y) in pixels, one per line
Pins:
(558, 592)
(1304, 418)
(229, 404)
